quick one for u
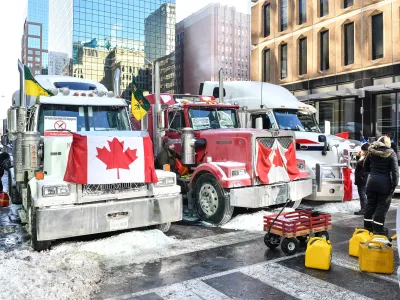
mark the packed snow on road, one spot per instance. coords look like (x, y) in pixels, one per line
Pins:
(73, 270)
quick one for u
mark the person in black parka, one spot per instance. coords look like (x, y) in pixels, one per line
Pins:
(382, 165)
(361, 178)
(5, 164)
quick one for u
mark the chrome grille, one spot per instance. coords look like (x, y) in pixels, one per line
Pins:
(285, 141)
(117, 188)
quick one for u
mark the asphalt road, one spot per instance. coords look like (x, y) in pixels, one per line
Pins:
(213, 263)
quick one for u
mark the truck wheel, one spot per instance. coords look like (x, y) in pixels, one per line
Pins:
(15, 197)
(37, 245)
(213, 206)
(163, 227)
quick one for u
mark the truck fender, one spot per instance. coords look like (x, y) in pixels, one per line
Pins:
(32, 188)
(207, 168)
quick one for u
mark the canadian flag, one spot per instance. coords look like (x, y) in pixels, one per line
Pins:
(109, 160)
(277, 164)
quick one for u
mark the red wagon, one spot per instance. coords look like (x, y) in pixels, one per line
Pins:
(292, 228)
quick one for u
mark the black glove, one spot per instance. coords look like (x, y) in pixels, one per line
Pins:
(392, 192)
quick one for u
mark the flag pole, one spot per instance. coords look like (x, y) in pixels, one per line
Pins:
(156, 110)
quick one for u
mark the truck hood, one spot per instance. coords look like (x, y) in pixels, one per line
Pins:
(310, 140)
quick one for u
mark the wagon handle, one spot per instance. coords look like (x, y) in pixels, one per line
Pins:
(277, 216)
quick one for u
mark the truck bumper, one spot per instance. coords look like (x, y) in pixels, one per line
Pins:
(76, 220)
(268, 195)
(331, 191)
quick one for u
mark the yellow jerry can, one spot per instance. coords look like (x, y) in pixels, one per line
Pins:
(318, 254)
(359, 236)
(376, 255)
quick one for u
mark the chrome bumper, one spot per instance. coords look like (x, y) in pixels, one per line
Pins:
(331, 190)
(268, 195)
(76, 220)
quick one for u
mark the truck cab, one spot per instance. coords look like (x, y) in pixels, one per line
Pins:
(41, 133)
(277, 109)
(226, 161)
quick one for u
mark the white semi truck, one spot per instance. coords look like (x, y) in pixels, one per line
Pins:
(270, 106)
(55, 209)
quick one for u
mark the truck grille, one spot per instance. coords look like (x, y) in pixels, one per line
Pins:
(284, 141)
(117, 188)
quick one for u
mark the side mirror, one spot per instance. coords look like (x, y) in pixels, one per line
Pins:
(4, 140)
(327, 128)
(216, 93)
(322, 138)
(259, 123)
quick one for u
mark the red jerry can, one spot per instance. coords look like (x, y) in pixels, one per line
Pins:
(4, 200)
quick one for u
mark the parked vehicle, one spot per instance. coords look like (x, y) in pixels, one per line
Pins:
(275, 108)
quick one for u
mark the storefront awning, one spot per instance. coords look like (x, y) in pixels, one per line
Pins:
(333, 95)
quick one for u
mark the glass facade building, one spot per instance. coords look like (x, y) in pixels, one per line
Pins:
(35, 44)
(97, 37)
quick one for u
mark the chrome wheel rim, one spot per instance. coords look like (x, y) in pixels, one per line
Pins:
(208, 199)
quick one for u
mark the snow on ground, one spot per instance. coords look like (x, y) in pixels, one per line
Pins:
(340, 207)
(73, 270)
(251, 222)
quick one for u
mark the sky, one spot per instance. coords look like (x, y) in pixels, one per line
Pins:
(11, 24)
(184, 8)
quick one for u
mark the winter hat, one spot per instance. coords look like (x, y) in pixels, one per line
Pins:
(169, 143)
(364, 147)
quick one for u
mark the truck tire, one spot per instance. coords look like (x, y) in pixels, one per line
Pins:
(37, 245)
(213, 206)
(15, 197)
(163, 227)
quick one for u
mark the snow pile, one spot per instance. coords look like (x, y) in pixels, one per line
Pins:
(339, 207)
(74, 270)
(134, 246)
(251, 222)
(48, 275)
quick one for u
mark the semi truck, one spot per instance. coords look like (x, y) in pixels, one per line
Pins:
(40, 130)
(275, 108)
(224, 159)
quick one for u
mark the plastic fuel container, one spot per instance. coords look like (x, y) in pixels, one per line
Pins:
(359, 236)
(318, 254)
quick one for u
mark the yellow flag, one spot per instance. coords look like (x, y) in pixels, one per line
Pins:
(32, 87)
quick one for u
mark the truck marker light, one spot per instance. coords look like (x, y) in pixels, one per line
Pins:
(90, 95)
(167, 168)
(83, 94)
(209, 159)
(75, 94)
(39, 175)
(66, 91)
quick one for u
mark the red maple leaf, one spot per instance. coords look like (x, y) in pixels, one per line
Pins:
(116, 158)
(277, 161)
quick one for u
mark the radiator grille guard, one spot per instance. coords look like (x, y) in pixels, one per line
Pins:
(107, 189)
(269, 141)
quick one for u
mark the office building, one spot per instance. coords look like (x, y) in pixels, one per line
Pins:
(99, 36)
(215, 37)
(35, 38)
(341, 56)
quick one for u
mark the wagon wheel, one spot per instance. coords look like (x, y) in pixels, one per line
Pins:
(272, 240)
(290, 246)
(323, 234)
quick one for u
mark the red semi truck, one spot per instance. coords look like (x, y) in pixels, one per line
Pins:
(230, 166)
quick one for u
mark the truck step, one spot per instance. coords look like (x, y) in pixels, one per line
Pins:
(23, 216)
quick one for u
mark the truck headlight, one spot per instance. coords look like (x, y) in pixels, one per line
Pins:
(238, 172)
(56, 190)
(165, 181)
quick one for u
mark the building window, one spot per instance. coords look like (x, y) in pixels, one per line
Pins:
(348, 3)
(302, 11)
(349, 44)
(267, 65)
(324, 50)
(267, 20)
(377, 36)
(283, 14)
(302, 56)
(323, 7)
(284, 62)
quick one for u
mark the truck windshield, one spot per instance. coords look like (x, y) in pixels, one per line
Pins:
(212, 118)
(76, 86)
(296, 120)
(82, 118)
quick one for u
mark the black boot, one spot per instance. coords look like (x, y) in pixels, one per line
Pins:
(359, 213)
(368, 225)
(380, 230)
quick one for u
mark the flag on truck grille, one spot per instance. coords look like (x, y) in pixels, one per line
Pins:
(139, 104)
(108, 160)
(32, 87)
(277, 164)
